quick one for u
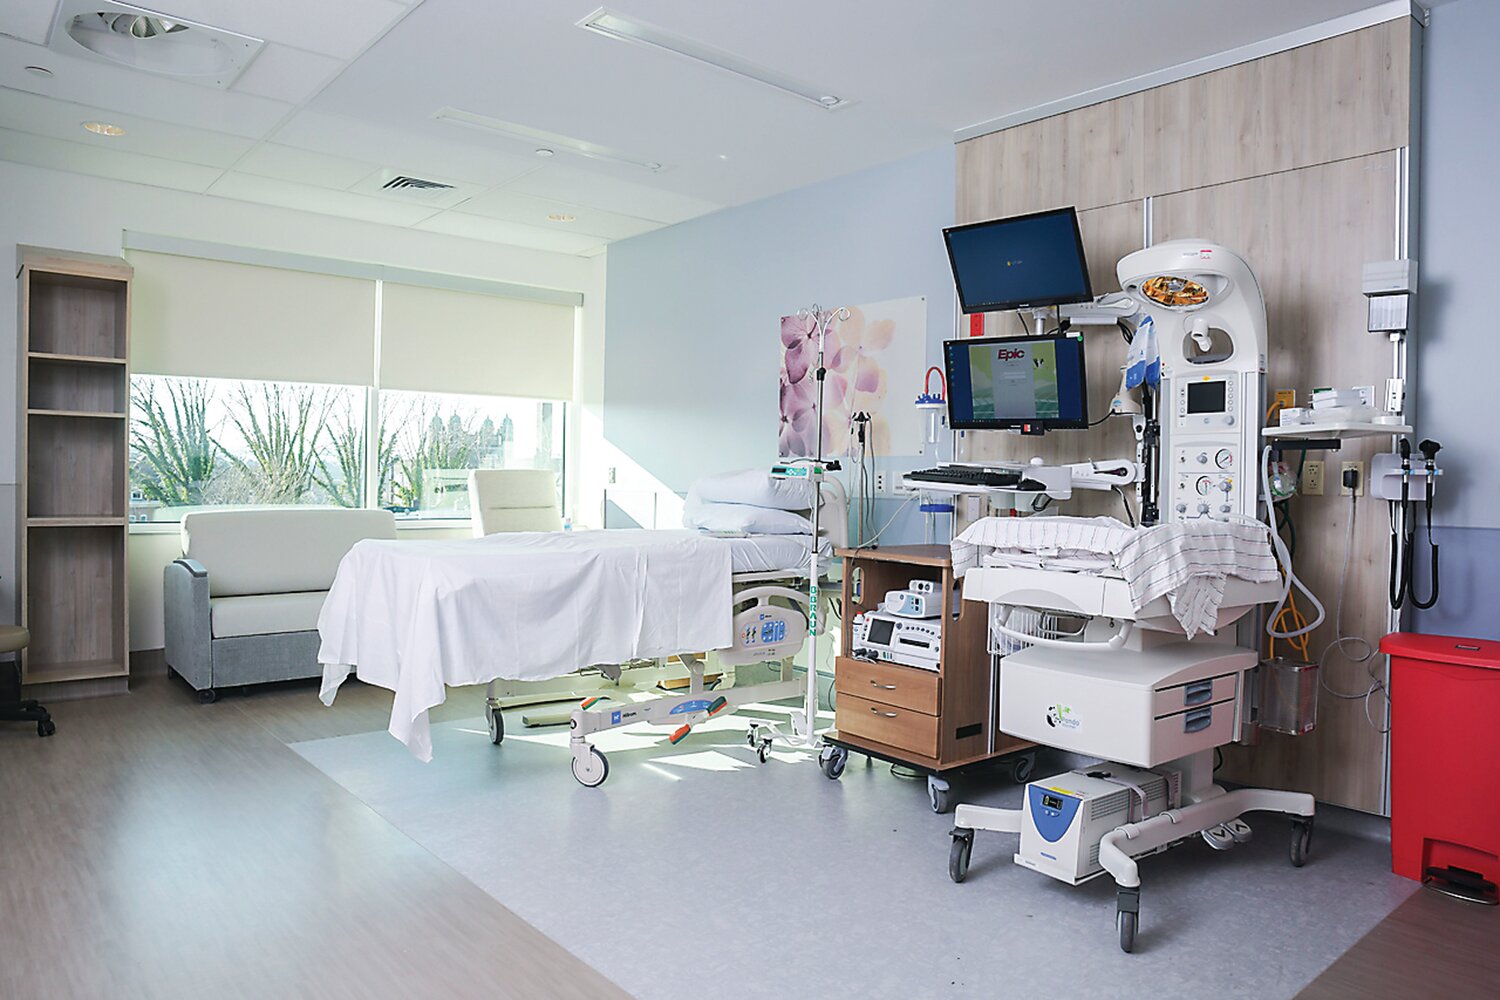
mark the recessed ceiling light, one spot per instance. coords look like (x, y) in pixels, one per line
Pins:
(39, 70)
(626, 29)
(723, 156)
(103, 128)
(561, 217)
(544, 152)
(553, 141)
(144, 40)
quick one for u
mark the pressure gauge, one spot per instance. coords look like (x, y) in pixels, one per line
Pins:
(1204, 485)
(1224, 459)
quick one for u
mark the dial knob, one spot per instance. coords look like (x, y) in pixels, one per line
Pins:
(1226, 486)
(1203, 458)
(1224, 509)
(1182, 508)
(1224, 458)
(1229, 420)
(1203, 508)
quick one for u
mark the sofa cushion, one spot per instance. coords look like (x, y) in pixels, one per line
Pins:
(264, 614)
(277, 550)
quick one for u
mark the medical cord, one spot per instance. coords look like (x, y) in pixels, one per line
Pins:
(894, 514)
(1129, 514)
(1369, 651)
(1289, 576)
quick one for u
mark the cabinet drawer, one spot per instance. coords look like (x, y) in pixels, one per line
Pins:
(896, 727)
(1208, 691)
(888, 683)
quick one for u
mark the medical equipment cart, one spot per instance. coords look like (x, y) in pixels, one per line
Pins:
(938, 721)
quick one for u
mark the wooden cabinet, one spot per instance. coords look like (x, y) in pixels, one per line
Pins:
(75, 450)
(936, 720)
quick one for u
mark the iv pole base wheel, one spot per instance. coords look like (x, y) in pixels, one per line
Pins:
(959, 853)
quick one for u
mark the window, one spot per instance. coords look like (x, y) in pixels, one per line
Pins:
(209, 442)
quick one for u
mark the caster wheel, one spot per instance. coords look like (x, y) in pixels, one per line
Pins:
(833, 761)
(207, 696)
(1302, 830)
(1127, 923)
(959, 853)
(1021, 768)
(497, 725)
(749, 737)
(763, 751)
(592, 770)
(45, 727)
(937, 795)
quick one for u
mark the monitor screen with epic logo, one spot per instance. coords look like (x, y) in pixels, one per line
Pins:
(1030, 383)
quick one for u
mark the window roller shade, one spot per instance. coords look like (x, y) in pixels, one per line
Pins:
(436, 340)
(216, 319)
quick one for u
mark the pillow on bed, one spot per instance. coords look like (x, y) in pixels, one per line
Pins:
(756, 488)
(708, 516)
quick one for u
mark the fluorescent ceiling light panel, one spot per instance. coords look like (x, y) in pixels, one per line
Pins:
(146, 40)
(548, 140)
(626, 29)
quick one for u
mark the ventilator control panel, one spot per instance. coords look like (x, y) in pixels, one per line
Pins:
(1210, 470)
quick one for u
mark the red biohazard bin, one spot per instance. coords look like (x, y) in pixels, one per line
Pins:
(1445, 759)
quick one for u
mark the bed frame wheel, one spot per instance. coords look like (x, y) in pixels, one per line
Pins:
(833, 760)
(763, 750)
(1127, 916)
(1302, 830)
(959, 853)
(497, 724)
(591, 770)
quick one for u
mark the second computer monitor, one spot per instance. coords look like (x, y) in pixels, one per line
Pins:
(1029, 383)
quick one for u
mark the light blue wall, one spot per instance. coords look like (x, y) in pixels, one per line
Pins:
(692, 345)
(1458, 343)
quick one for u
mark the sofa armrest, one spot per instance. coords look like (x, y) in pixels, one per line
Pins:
(189, 636)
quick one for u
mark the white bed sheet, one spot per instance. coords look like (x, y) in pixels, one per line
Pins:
(771, 553)
(414, 616)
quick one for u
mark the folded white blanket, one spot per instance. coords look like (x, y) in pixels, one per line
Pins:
(1185, 561)
(756, 488)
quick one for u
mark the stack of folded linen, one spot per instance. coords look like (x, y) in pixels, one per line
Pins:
(750, 502)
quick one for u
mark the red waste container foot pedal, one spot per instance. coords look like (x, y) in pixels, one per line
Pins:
(1460, 883)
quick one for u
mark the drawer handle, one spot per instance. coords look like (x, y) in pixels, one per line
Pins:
(1197, 720)
(886, 715)
(883, 687)
(1198, 692)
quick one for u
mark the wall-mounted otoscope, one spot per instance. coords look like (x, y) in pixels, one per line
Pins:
(1391, 478)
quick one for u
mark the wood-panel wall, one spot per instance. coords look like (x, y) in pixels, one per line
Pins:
(1292, 161)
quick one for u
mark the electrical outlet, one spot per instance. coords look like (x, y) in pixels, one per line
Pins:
(611, 478)
(1366, 394)
(1286, 397)
(880, 482)
(1359, 485)
(1312, 479)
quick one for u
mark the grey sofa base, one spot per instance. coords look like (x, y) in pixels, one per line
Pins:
(256, 659)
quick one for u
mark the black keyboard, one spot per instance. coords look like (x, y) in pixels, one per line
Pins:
(955, 475)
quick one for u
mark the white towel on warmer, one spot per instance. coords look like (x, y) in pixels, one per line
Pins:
(1188, 561)
(1047, 537)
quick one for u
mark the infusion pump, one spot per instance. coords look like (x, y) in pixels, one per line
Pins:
(1211, 454)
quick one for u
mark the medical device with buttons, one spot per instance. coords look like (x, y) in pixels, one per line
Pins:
(1211, 322)
(911, 642)
(919, 600)
(1066, 815)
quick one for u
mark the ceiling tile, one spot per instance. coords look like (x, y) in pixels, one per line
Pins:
(341, 28)
(287, 74)
(64, 120)
(28, 20)
(270, 191)
(515, 207)
(584, 187)
(99, 84)
(474, 227)
(303, 166)
(82, 158)
(376, 142)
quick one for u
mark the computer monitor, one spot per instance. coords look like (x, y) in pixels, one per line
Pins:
(1020, 262)
(1029, 383)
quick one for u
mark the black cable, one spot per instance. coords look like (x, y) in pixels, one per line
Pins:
(1129, 514)
(1046, 502)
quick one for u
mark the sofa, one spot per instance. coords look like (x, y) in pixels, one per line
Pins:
(242, 603)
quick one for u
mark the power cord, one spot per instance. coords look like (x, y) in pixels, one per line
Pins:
(1366, 650)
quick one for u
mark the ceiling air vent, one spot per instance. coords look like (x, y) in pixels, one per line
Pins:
(401, 182)
(141, 39)
(414, 190)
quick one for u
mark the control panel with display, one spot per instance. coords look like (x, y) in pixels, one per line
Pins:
(1211, 466)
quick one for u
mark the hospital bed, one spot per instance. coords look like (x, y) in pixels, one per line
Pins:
(416, 617)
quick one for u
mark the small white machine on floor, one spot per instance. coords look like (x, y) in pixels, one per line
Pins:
(1130, 687)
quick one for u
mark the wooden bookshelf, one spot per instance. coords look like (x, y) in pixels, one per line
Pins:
(75, 453)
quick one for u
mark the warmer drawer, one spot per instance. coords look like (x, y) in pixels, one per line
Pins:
(900, 728)
(887, 683)
(1194, 695)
